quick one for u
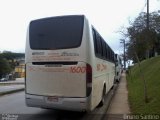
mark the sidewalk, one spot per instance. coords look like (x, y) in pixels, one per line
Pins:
(8, 87)
(119, 104)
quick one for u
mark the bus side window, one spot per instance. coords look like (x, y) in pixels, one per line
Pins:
(106, 56)
(101, 42)
(99, 45)
(95, 42)
(104, 50)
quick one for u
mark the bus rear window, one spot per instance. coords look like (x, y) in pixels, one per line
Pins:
(56, 32)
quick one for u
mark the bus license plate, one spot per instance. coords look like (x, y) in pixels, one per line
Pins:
(52, 99)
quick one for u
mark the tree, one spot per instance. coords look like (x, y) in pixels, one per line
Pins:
(11, 57)
(141, 39)
(4, 66)
(7, 63)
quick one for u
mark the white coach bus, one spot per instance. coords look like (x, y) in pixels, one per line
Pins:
(68, 64)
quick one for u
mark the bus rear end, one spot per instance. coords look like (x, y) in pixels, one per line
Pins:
(57, 74)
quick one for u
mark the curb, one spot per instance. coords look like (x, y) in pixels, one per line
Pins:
(20, 83)
(100, 113)
(11, 91)
(109, 101)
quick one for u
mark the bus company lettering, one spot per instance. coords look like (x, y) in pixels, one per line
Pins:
(37, 53)
(79, 69)
(47, 69)
(101, 67)
(54, 54)
(69, 54)
(49, 58)
(30, 68)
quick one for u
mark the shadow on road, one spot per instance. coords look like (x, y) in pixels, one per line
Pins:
(54, 115)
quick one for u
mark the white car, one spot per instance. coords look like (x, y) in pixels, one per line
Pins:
(3, 79)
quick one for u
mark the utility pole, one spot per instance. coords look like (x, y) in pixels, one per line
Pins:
(147, 22)
(124, 56)
(148, 15)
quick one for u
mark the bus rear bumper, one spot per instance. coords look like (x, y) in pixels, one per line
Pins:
(73, 104)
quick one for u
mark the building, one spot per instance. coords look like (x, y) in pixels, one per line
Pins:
(20, 69)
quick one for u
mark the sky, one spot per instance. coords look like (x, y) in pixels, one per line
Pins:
(107, 16)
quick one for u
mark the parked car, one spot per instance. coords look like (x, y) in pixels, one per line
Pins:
(3, 79)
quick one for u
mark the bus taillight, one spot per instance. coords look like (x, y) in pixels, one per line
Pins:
(88, 79)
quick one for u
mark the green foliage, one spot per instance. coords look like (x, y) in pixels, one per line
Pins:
(151, 70)
(4, 66)
(7, 63)
(142, 39)
(11, 56)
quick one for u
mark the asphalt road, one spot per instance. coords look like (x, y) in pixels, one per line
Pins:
(13, 105)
